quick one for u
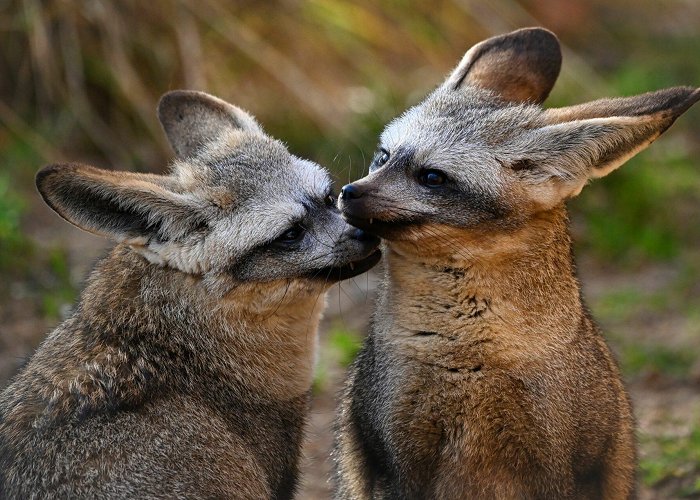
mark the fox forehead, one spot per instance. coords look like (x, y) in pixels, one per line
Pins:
(256, 169)
(454, 119)
(272, 201)
(260, 188)
(463, 133)
(288, 198)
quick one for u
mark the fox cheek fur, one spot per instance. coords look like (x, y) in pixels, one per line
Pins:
(185, 370)
(483, 374)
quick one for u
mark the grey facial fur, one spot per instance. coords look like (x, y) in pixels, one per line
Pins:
(502, 160)
(272, 193)
(232, 194)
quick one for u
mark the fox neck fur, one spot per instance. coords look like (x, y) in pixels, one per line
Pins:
(164, 331)
(493, 290)
(466, 379)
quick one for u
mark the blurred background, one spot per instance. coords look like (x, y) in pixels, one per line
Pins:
(79, 81)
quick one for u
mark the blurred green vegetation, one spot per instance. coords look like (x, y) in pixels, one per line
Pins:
(674, 457)
(12, 241)
(17, 158)
(630, 307)
(641, 213)
(655, 359)
(81, 79)
(346, 343)
(59, 292)
(338, 351)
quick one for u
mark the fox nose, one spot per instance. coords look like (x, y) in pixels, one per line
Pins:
(350, 192)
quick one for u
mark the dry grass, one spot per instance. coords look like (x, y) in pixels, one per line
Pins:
(79, 80)
(88, 72)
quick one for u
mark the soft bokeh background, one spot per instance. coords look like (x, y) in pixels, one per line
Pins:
(79, 80)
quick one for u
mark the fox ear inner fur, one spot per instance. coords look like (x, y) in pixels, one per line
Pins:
(191, 119)
(588, 141)
(521, 66)
(124, 206)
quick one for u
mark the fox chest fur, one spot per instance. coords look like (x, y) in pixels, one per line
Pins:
(454, 381)
(187, 394)
(483, 375)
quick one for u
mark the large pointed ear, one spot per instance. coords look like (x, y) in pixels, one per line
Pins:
(136, 208)
(191, 119)
(521, 66)
(587, 141)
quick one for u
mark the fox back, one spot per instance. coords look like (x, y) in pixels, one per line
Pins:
(185, 370)
(483, 375)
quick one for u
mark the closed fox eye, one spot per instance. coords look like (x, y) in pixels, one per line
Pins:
(291, 236)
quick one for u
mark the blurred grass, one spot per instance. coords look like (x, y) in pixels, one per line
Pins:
(12, 241)
(655, 359)
(339, 349)
(637, 317)
(16, 249)
(59, 291)
(672, 457)
(81, 79)
(346, 343)
(640, 213)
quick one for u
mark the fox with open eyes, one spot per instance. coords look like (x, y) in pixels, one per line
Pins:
(185, 370)
(483, 374)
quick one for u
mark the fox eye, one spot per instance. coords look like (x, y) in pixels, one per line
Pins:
(382, 157)
(432, 178)
(329, 200)
(291, 236)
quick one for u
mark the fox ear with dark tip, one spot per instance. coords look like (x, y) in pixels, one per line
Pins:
(134, 208)
(521, 66)
(578, 143)
(191, 119)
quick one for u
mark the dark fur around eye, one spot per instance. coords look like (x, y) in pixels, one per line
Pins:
(290, 237)
(329, 200)
(523, 164)
(517, 165)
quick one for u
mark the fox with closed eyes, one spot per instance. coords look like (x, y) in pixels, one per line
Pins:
(483, 374)
(185, 370)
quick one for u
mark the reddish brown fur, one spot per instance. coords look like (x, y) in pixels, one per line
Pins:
(487, 379)
(483, 374)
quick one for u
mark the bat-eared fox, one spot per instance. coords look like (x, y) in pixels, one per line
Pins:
(186, 368)
(484, 375)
